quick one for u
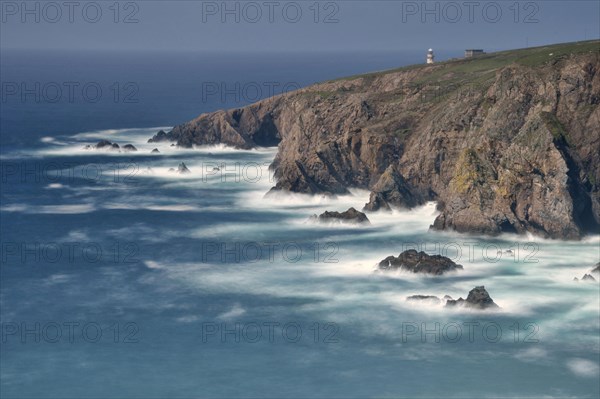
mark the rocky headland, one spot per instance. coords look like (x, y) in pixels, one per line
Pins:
(506, 142)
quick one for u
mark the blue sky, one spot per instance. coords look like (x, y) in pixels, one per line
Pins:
(295, 25)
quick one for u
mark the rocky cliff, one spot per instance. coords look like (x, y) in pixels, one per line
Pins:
(507, 142)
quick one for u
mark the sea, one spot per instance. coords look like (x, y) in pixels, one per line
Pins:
(121, 277)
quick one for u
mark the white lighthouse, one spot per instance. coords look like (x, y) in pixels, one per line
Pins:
(430, 56)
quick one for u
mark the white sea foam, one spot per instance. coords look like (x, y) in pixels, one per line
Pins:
(584, 368)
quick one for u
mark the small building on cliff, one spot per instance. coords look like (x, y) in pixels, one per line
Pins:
(430, 56)
(470, 53)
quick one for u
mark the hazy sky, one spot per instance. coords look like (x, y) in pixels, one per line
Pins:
(295, 25)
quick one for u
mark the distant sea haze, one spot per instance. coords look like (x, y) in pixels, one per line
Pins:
(82, 91)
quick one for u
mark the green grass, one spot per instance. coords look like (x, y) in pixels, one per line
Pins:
(556, 128)
(488, 63)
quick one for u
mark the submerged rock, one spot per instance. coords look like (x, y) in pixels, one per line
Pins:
(155, 151)
(419, 262)
(478, 298)
(350, 216)
(429, 298)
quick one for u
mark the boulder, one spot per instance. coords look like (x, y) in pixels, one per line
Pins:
(351, 216)
(103, 144)
(478, 298)
(419, 262)
(129, 148)
(155, 151)
(107, 145)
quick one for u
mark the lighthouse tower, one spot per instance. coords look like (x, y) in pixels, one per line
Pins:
(430, 56)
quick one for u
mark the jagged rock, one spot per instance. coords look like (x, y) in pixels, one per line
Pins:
(391, 188)
(513, 154)
(478, 298)
(159, 137)
(155, 151)
(350, 216)
(107, 145)
(129, 148)
(428, 298)
(597, 268)
(588, 277)
(182, 169)
(419, 262)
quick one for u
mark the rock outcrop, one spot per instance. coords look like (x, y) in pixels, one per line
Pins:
(478, 298)
(107, 145)
(351, 216)
(129, 148)
(588, 277)
(159, 137)
(419, 262)
(182, 169)
(506, 142)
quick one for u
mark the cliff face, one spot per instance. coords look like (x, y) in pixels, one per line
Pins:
(505, 142)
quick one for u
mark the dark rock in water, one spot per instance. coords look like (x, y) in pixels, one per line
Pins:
(107, 145)
(172, 145)
(349, 216)
(447, 298)
(182, 169)
(103, 144)
(216, 169)
(419, 262)
(430, 298)
(88, 147)
(478, 298)
(588, 277)
(575, 279)
(171, 170)
(159, 137)
(155, 151)
(597, 268)
(129, 147)
(391, 188)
